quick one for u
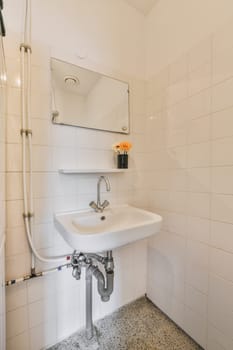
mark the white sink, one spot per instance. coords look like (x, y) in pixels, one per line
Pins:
(87, 231)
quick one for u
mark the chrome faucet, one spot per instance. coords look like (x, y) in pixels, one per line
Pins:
(99, 207)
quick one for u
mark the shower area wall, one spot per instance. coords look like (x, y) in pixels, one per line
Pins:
(190, 104)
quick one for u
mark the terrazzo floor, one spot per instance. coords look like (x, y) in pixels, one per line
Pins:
(137, 326)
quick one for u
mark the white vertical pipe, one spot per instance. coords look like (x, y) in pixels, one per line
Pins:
(31, 206)
(26, 124)
(25, 108)
(23, 112)
(27, 41)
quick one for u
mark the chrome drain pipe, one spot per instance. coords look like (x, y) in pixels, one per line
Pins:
(89, 320)
(105, 288)
(104, 284)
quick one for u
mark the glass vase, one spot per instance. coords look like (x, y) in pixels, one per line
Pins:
(122, 161)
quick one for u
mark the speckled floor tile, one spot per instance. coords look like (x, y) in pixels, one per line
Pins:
(136, 326)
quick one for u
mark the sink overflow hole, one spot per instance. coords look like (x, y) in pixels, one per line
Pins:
(102, 218)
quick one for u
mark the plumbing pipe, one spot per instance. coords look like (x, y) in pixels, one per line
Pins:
(104, 290)
(31, 207)
(109, 263)
(35, 275)
(27, 134)
(2, 244)
(28, 217)
(97, 257)
(52, 259)
(23, 128)
(89, 321)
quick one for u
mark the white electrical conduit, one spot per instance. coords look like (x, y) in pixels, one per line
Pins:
(2, 244)
(29, 127)
(27, 135)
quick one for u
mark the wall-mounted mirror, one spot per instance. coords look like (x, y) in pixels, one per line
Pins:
(81, 97)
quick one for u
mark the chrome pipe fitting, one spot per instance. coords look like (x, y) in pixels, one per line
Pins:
(76, 273)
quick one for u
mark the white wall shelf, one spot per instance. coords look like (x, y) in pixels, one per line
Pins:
(92, 171)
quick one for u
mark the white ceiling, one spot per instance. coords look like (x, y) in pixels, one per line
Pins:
(143, 6)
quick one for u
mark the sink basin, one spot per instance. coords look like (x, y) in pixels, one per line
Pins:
(90, 232)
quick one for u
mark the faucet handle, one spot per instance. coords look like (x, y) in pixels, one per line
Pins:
(105, 204)
(93, 205)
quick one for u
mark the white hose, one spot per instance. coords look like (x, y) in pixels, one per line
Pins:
(26, 125)
(55, 259)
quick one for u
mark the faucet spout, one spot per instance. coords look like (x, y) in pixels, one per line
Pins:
(100, 206)
(108, 188)
(107, 182)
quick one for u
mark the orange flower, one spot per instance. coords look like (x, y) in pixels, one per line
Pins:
(116, 147)
(125, 146)
(122, 147)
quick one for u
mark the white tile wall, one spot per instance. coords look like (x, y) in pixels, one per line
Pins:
(182, 160)
(2, 297)
(2, 201)
(197, 203)
(44, 311)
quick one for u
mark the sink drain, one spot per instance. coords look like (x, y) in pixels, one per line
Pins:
(103, 218)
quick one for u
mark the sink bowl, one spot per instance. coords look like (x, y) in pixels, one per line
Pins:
(90, 232)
